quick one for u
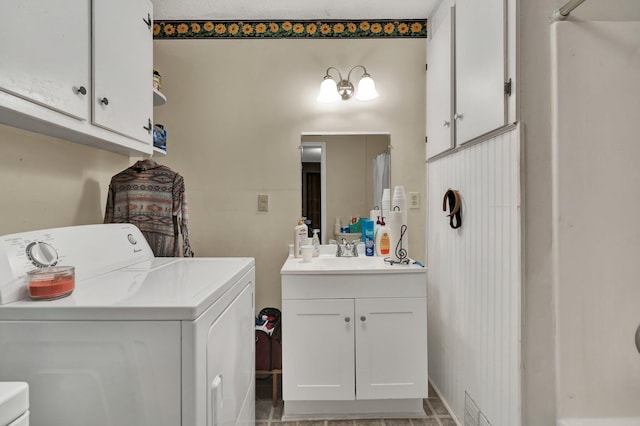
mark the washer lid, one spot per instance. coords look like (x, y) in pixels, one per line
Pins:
(156, 289)
(14, 401)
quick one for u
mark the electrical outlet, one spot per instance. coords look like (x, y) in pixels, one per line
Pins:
(263, 203)
(414, 200)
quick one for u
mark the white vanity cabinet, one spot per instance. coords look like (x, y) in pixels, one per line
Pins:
(79, 70)
(354, 338)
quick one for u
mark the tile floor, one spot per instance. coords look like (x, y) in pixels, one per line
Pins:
(266, 415)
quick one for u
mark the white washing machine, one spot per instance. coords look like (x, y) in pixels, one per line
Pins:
(141, 341)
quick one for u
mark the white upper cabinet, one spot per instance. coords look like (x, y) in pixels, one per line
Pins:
(45, 54)
(79, 70)
(466, 89)
(123, 67)
(439, 83)
(480, 67)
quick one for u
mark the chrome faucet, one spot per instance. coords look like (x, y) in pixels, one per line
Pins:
(346, 249)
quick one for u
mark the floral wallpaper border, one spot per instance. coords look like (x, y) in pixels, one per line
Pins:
(315, 29)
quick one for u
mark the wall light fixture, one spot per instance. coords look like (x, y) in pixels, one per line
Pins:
(330, 91)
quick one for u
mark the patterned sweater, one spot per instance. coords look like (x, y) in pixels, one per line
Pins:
(152, 197)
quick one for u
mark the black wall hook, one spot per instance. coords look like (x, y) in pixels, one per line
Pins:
(455, 207)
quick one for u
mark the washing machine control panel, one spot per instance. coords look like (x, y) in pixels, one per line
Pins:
(26, 252)
(42, 254)
(91, 249)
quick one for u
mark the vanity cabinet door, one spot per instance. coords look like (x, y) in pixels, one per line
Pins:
(318, 349)
(391, 348)
(123, 67)
(45, 53)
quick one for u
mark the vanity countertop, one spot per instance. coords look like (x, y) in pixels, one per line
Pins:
(327, 264)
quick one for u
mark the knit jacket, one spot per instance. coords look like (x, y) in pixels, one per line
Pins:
(152, 197)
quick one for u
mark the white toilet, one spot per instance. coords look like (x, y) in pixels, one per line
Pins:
(14, 404)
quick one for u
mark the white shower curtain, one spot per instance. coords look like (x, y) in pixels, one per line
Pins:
(381, 175)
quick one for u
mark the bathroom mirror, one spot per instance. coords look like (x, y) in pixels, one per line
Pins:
(342, 177)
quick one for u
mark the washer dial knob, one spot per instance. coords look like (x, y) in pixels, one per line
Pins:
(42, 254)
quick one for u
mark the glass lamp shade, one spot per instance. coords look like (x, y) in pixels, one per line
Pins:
(328, 91)
(366, 89)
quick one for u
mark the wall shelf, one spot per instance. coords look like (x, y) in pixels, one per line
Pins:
(158, 98)
(158, 151)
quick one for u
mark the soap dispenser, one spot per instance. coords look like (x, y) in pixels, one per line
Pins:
(383, 241)
(300, 236)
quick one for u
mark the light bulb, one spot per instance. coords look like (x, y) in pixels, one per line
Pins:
(366, 89)
(328, 91)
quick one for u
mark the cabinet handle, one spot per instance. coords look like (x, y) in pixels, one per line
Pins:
(446, 123)
(363, 318)
(104, 101)
(148, 20)
(81, 90)
(148, 127)
(457, 116)
(347, 319)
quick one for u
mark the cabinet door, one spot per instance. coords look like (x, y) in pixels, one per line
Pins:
(391, 348)
(480, 67)
(317, 349)
(123, 67)
(439, 82)
(44, 51)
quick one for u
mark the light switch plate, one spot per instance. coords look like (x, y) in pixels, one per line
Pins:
(414, 200)
(263, 202)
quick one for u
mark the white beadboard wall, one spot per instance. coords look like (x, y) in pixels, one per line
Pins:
(475, 278)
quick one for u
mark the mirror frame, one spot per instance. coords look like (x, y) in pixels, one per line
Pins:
(323, 184)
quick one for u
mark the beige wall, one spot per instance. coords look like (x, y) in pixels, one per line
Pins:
(235, 113)
(48, 182)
